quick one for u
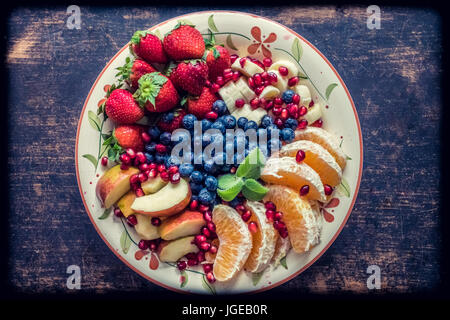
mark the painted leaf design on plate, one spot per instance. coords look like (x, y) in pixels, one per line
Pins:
(256, 277)
(344, 188)
(297, 49)
(94, 121)
(105, 214)
(230, 43)
(91, 158)
(184, 279)
(283, 262)
(211, 24)
(125, 241)
(207, 286)
(330, 89)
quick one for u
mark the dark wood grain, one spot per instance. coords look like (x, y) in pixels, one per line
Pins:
(393, 75)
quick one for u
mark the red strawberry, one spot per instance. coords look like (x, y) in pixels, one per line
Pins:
(184, 42)
(218, 59)
(202, 105)
(122, 108)
(175, 123)
(148, 46)
(129, 136)
(132, 71)
(190, 76)
(156, 93)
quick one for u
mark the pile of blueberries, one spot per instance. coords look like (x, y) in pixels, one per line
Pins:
(202, 173)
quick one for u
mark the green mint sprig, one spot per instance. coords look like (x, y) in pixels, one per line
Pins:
(245, 179)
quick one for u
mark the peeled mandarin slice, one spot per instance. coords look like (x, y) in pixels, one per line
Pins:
(264, 239)
(325, 139)
(317, 158)
(235, 242)
(281, 250)
(302, 221)
(288, 172)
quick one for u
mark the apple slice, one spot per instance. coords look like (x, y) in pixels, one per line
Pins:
(153, 185)
(113, 184)
(184, 224)
(145, 229)
(168, 201)
(124, 204)
(173, 250)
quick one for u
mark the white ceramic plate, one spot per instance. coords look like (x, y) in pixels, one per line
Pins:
(245, 34)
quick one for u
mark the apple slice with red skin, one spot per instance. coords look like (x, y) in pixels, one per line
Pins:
(168, 201)
(184, 224)
(124, 204)
(113, 184)
(145, 229)
(173, 250)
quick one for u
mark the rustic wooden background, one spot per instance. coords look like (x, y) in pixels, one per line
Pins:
(394, 75)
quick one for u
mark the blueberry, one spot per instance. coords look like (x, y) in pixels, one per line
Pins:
(188, 121)
(196, 187)
(196, 176)
(159, 158)
(220, 158)
(266, 121)
(181, 136)
(217, 138)
(229, 121)
(287, 134)
(242, 121)
(154, 133)
(149, 157)
(168, 117)
(194, 197)
(209, 166)
(198, 160)
(165, 138)
(205, 197)
(251, 125)
(150, 147)
(211, 183)
(273, 131)
(206, 124)
(274, 145)
(233, 203)
(186, 169)
(287, 96)
(172, 161)
(219, 126)
(291, 123)
(226, 168)
(219, 107)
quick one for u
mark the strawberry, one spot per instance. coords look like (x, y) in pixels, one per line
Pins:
(156, 93)
(132, 71)
(121, 107)
(148, 46)
(173, 124)
(129, 136)
(217, 59)
(190, 76)
(200, 106)
(184, 42)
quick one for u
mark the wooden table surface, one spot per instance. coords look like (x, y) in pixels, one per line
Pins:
(393, 74)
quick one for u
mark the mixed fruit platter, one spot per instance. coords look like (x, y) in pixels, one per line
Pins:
(218, 162)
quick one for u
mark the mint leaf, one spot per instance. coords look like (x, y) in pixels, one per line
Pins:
(227, 180)
(253, 190)
(251, 166)
(231, 193)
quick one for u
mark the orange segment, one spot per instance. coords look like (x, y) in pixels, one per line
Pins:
(235, 242)
(302, 220)
(325, 139)
(317, 158)
(288, 172)
(281, 250)
(263, 240)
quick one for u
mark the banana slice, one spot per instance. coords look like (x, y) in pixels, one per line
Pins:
(314, 113)
(304, 93)
(245, 112)
(282, 82)
(269, 93)
(230, 94)
(256, 115)
(249, 68)
(293, 71)
(243, 87)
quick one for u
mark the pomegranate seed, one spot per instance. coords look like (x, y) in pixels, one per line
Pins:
(266, 83)
(204, 246)
(236, 76)
(215, 87)
(132, 220)
(210, 277)
(220, 81)
(205, 231)
(213, 249)
(200, 256)
(160, 148)
(302, 124)
(270, 214)
(146, 137)
(136, 162)
(304, 190)
(173, 169)
(268, 105)
(228, 76)
(277, 224)
(199, 239)
(257, 79)
(152, 245)
(104, 161)
(246, 215)
(144, 167)
(192, 262)
(318, 123)
(202, 208)
(208, 84)
(233, 58)
(165, 176)
(181, 265)
(265, 76)
(269, 205)
(276, 110)
(191, 256)
(152, 166)
(293, 81)
(258, 90)
(233, 170)
(193, 205)
(118, 212)
(251, 83)
(253, 227)
(124, 158)
(211, 226)
(279, 122)
(142, 177)
(161, 168)
(207, 267)
(212, 115)
(296, 99)
(283, 233)
(207, 216)
(278, 101)
(152, 173)
(156, 221)
(130, 152)
(293, 110)
(227, 71)
(300, 156)
(273, 77)
(328, 189)
(284, 114)
(242, 62)
(134, 179)
(254, 103)
(239, 103)
(143, 245)
(259, 63)
(175, 178)
(267, 62)
(302, 111)
(283, 71)
(240, 208)
(278, 215)
(311, 103)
